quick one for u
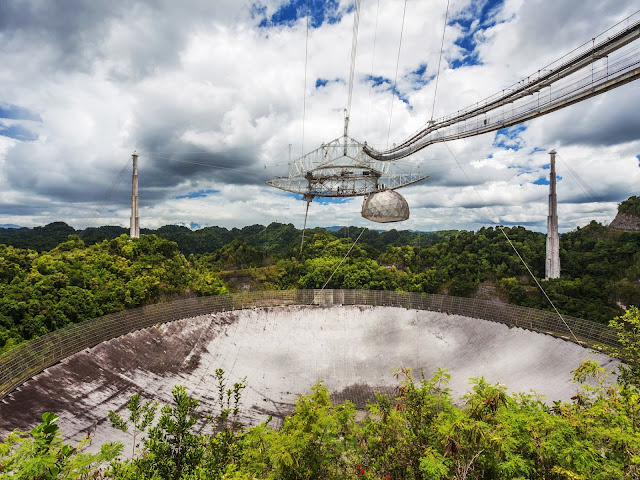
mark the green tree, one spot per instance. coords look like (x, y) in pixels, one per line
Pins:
(42, 455)
(141, 415)
(172, 448)
(628, 328)
(315, 442)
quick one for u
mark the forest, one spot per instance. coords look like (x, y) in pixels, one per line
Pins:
(98, 271)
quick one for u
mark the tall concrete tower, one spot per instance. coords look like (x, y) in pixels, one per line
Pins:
(134, 231)
(552, 266)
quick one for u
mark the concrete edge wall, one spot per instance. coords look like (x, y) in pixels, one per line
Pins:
(29, 358)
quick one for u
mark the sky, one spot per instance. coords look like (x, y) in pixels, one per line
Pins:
(217, 97)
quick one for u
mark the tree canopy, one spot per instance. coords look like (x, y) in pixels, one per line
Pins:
(71, 283)
(61, 278)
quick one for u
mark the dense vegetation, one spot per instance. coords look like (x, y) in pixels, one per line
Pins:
(276, 238)
(41, 292)
(54, 275)
(418, 434)
(630, 206)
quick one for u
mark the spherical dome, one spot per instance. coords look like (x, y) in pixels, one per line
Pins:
(385, 206)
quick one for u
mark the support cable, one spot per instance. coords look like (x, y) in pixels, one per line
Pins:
(471, 184)
(539, 286)
(395, 82)
(202, 164)
(373, 56)
(304, 97)
(343, 259)
(515, 249)
(298, 319)
(304, 228)
(101, 205)
(588, 191)
(354, 44)
(444, 29)
(558, 70)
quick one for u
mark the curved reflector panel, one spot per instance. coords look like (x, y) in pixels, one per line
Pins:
(386, 206)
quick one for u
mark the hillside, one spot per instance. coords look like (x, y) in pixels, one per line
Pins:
(275, 238)
(98, 271)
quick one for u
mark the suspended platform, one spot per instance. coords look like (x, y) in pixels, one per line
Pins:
(341, 168)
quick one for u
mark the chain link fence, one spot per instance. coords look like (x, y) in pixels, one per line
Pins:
(29, 358)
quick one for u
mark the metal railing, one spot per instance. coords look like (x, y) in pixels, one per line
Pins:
(29, 358)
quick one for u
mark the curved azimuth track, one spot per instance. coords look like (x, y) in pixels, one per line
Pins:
(614, 58)
(340, 168)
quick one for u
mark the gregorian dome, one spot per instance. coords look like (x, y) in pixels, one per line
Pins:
(385, 206)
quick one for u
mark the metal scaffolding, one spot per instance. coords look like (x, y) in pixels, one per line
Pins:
(340, 168)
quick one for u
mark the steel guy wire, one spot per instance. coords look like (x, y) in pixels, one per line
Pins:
(518, 253)
(395, 82)
(373, 56)
(435, 91)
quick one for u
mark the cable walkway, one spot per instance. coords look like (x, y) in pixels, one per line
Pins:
(614, 62)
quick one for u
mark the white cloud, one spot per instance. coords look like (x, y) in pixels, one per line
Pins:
(200, 84)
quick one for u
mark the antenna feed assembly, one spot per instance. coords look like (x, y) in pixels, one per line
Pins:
(341, 168)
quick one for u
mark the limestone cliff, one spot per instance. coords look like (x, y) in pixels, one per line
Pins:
(625, 222)
(628, 217)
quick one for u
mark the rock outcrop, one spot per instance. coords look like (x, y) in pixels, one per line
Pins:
(628, 217)
(624, 221)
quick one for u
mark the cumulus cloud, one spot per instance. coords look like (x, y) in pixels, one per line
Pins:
(212, 95)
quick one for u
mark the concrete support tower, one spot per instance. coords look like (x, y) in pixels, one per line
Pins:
(134, 231)
(552, 266)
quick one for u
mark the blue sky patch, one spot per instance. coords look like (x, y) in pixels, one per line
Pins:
(418, 78)
(328, 200)
(377, 81)
(466, 61)
(321, 11)
(198, 194)
(638, 157)
(541, 181)
(323, 82)
(479, 16)
(522, 169)
(544, 181)
(509, 138)
(320, 200)
(18, 132)
(14, 112)
(420, 70)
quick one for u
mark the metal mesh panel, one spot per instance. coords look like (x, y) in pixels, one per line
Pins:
(30, 358)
